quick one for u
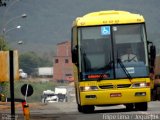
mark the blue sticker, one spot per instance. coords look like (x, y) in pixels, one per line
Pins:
(105, 30)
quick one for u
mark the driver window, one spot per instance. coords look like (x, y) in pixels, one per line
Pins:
(129, 56)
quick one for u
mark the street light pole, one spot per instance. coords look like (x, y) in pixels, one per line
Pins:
(20, 16)
(4, 36)
(5, 32)
(6, 11)
(12, 19)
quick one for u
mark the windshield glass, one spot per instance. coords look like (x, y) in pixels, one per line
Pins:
(95, 53)
(130, 43)
(130, 48)
(101, 46)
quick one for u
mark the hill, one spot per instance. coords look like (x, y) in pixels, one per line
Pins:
(49, 22)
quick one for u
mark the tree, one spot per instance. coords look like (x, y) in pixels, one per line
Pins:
(30, 60)
(3, 44)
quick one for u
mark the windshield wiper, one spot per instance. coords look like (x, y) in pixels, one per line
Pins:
(124, 68)
(108, 66)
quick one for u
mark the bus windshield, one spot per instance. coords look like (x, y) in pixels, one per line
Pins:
(100, 47)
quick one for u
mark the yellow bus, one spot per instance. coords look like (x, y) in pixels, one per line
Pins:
(112, 60)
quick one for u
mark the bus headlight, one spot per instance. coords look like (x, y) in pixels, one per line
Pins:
(140, 85)
(88, 88)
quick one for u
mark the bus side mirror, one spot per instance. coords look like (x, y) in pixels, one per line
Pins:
(74, 55)
(152, 54)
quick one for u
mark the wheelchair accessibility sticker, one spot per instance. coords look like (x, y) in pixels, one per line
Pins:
(105, 30)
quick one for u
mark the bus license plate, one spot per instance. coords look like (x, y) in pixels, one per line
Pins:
(115, 95)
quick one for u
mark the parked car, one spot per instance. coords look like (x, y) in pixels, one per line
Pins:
(22, 74)
(49, 97)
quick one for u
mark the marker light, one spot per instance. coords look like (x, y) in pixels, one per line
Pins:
(88, 88)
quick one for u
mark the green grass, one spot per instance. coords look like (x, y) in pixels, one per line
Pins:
(38, 88)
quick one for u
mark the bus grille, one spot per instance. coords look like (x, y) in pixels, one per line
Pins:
(115, 86)
(106, 87)
(123, 85)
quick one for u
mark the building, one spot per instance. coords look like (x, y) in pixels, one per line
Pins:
(63, 67)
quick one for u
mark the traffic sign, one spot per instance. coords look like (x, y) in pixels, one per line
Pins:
(27, 90)
(105, 30)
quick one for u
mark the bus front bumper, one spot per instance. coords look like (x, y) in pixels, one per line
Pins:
(109, 97)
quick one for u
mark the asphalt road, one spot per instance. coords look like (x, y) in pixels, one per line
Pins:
(68, 111)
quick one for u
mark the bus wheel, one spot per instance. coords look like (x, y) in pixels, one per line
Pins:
(79, 108)
(129, 107)
(88, 108)
(154, 95)
(141, 106)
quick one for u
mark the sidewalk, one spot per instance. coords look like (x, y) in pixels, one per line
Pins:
(7, 105)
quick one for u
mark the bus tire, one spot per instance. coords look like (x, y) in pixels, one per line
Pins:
(143, 106)
(158, 93)
(79, 108)
(88, 108)
(129, 107)
(153, 95)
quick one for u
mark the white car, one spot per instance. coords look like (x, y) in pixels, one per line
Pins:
(49, 97)
(22, 74)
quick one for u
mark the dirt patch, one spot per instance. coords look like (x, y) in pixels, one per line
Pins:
(7, 105)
